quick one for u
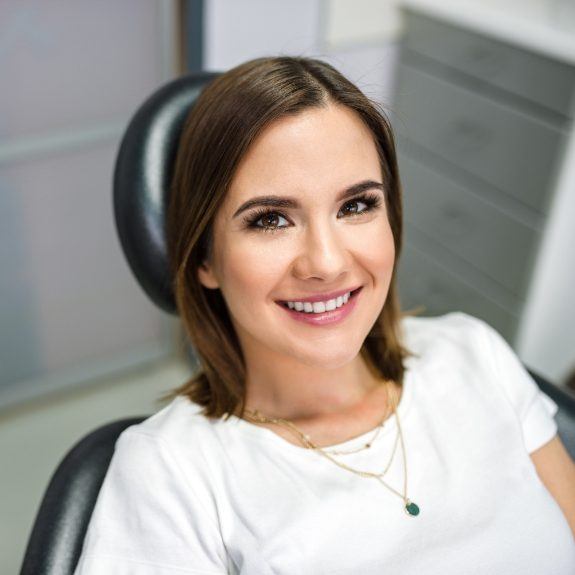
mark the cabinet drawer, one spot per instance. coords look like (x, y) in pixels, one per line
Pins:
(463, 222)
(537, 78)
(422, 281)
(515, 153)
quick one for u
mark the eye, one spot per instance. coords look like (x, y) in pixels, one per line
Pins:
(268, 218)
(357, 211)
(370, 201)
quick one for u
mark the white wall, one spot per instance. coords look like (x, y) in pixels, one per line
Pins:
(72, 74)
(359, 37)
(546, 338)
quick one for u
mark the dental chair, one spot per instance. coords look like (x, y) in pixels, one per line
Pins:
(141, 180)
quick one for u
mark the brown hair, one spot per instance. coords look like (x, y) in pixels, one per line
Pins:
(227, 117)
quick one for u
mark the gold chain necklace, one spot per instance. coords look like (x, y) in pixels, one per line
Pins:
(365, 445)
(411, 508)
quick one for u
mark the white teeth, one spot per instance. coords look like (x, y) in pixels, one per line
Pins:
(319, 306)
(331, 305)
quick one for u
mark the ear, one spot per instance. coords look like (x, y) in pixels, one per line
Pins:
(207, 276)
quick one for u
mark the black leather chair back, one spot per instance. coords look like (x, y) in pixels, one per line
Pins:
(141, 183)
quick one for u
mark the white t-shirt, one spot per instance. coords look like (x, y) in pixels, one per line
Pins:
(185, 494)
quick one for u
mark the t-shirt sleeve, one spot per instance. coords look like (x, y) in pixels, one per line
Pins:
(148, 518)
(535, 409)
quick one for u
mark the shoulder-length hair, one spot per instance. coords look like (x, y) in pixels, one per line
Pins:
(227, 117)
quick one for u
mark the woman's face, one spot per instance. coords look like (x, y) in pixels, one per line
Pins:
(286, 232)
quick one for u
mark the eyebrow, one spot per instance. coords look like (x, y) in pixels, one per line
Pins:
(291, 203)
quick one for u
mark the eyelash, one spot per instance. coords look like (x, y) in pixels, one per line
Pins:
(372, 201)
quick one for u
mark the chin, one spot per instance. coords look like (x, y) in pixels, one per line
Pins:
(338, 357)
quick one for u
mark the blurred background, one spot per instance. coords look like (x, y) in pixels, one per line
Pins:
(480, 93)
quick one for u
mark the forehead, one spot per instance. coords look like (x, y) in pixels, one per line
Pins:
(316, 152)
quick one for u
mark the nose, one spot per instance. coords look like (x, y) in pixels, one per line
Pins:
(322, 254)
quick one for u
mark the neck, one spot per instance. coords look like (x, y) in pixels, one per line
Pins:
(293, 391)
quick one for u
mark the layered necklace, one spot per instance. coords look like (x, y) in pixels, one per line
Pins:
(410, 507)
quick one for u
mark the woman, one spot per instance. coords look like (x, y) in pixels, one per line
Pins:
(325, 433)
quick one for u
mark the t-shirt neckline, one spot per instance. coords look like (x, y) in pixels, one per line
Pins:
(389, 427)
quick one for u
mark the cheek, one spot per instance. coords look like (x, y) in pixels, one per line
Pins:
(377, 249)
(250, 271)
(387, 255)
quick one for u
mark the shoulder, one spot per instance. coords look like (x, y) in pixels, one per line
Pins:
(173, 448)
(467, 355)
(155, 507)
(460, 342)
(450, 336)
(451, 324)
(179, 417)
(178, 428)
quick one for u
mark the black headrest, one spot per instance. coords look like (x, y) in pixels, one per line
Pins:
(142, 177)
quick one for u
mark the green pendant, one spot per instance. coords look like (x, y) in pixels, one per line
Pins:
(412, 508)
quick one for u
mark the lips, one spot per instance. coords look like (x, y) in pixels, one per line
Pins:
(322, 297)
(352, 293)
(326, 318)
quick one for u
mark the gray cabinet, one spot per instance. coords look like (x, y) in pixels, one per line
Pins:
(481, 128)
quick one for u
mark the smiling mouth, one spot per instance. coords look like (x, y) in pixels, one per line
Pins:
(312, 308)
